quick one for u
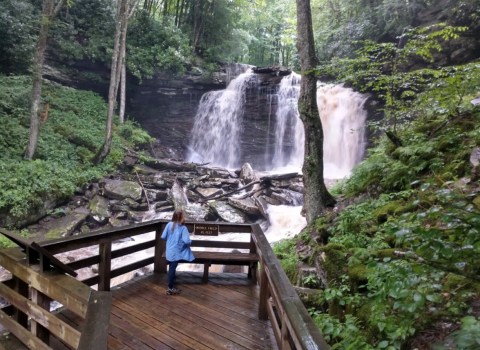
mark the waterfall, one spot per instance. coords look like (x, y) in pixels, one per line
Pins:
(343, 122)
(218, 125)
(219, 132)
(289, 133)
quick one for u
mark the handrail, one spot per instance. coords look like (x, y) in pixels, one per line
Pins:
(279, 302)
(293, 326)
(30, 298)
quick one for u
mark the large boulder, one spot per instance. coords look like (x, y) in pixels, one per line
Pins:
(247, 174)
(119, 189)
(99, 207)
(209, 192)
(246, 205)
(227, 213)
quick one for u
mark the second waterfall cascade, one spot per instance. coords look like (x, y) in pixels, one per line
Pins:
(221, 126)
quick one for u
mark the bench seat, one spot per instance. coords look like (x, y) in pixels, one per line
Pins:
(208, 258)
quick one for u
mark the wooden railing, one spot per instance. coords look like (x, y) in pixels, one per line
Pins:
(30, 292)
(293, 327)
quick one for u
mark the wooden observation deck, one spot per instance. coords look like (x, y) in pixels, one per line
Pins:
(215, 310)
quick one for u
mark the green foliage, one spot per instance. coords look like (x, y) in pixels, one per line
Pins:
(84, 30)
(69, 138)
(18, 27)
(405, 255)
(468, 337)
(285, 251)
(153, 46)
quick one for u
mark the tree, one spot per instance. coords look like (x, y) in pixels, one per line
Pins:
(50, 9)
(124, 11)
(316, 196)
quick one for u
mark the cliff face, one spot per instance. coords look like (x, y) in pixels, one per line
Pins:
(166, 106)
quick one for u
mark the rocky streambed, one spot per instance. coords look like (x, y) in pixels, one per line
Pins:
(154, 189)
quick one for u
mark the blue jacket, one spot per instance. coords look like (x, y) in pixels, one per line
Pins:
(178, 242)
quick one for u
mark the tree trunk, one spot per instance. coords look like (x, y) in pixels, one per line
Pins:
(123, 86)
(112, 90)
(49, 10)
(316, 195)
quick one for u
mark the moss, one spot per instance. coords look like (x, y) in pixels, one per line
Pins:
(476, 202)
(385, 253)
(391, 208)
(334, 262)
(358, 273)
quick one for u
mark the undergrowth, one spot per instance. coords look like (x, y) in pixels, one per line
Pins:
(403, 256)
(72, 129)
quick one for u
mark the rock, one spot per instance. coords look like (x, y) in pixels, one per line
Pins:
(192, 196)
(144, 170)
(476, 202)
(65, 226)
(164, 208)
(246, 205)
(475, 157)
(195, 212)
(178, 195)
(263, 207)
(209, 192)
(118, 189)
(116, 222)
(287, 197)
(99, 207)
(215, 172)
(247, 174)
(297, 187)
(271, 200)
(227, 213)
(475, 161)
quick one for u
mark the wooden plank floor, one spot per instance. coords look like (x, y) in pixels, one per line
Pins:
(219, 315)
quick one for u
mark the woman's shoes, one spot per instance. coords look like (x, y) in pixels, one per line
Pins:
(173, 291)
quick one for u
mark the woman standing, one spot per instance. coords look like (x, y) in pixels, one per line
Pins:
(178, 247)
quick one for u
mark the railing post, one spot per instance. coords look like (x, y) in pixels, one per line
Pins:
(97, 319)
(160, 264)
(264, 294)
(21, 288)
(37, 329)
(105, 266)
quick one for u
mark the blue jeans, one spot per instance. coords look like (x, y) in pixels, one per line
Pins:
(172, 268)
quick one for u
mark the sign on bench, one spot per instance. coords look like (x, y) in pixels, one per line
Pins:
(205, 230)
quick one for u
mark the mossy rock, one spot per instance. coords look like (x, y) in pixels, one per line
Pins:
(390, 209)
(334, 260)
(358, 273)
(476, 202)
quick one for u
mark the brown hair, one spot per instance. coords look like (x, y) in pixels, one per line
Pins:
(178, 218)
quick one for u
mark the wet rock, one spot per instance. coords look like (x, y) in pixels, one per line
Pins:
(178, 195)
(215, 172)
(247, 174)
(116, 222)
(164, 208)
(297, 187)
(227, 213)
(192, 196)
(118, 189)
(271, 200)
(99, 207)
(65, 226)
(209, 192)
(287, 197)
(246, 205)
(262, 206)
(144, 170)
(196, 212)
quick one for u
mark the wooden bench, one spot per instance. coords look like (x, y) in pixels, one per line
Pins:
(211, 257)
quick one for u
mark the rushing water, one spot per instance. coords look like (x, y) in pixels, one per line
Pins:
(220, 125)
